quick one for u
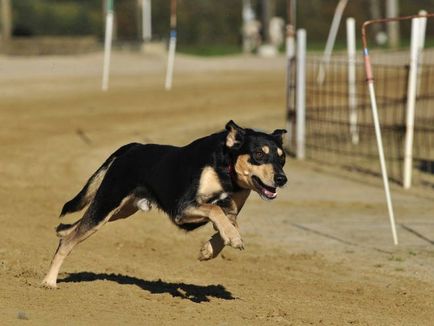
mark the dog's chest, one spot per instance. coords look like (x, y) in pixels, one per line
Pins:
(210, 187)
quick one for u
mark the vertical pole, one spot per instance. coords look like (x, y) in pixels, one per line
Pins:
(292, 15)
(290, 60)
(172, 46)
(411, 102)
(107, 44)
(266, 13)
(392, 10)
(422, 35)
(370, 82)
(352, 99)
(247, 16)
(146, 20)
(331, 39)
(6, 19)
(301, 95)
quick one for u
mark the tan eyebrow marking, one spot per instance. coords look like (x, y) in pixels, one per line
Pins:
(266, 149)
(279, 152)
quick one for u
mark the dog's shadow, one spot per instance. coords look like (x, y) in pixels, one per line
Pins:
(192, 292)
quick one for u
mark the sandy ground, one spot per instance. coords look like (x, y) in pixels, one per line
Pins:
(320, 254)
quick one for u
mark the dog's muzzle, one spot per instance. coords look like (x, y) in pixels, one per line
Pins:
(280, 180)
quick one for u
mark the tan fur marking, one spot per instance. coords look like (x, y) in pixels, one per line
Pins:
(126, 208)
(69, 241)
(243, 169)
(215, 214)
(96, 182)
(231, 138)
(266, 149)
(209, 184)
(279, 152)
(264, 171)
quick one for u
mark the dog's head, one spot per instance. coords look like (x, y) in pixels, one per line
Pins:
(258, 159)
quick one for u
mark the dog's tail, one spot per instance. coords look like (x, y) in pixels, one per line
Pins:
(85, 196)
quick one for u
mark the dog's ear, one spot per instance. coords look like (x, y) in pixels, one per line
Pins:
(235, 136)
(278, 134)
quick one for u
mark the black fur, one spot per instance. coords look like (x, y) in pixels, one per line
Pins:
(168, 176)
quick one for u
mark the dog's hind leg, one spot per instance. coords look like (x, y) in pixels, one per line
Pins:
(71, 235)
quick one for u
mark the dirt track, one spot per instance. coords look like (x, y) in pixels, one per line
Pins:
(319, 254)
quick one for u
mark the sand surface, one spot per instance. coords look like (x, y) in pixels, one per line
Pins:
(320, 254)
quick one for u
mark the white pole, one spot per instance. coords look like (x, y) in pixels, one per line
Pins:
(248, 16)
(392, 10)
(422, 35)
(352, 99)
(331, 39)
(170, 61)
(382, 159)
(290, 55)
(146, 20)
(301, 94)
(411, 102)
(107, 46)
(172, 46)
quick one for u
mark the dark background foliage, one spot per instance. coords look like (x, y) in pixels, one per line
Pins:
(200, 22)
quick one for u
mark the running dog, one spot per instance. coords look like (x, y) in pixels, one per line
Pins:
(208, 180)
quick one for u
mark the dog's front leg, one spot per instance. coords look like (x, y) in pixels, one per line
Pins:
(214, 246)
(228, 232)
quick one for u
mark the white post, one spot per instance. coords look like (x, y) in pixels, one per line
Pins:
(301, 94)
(352, 99)
(411, 102)
(331, 39)
(107, 45)
(146, 20)
(170, 60)
(392, 10)
(172, 46)
(370, 82)
(422, 35)
(248, 16)
(290, 54)
(382, 159)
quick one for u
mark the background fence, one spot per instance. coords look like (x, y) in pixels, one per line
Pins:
(329, 138)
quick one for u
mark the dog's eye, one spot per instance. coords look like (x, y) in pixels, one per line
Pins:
(259, 155)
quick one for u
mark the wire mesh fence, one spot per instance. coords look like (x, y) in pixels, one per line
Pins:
(330, 134)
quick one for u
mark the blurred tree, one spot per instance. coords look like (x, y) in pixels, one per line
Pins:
(200, 22)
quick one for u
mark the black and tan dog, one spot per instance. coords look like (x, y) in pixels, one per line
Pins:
(206, 181)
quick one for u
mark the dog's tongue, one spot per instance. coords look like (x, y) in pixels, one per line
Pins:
(269, 194)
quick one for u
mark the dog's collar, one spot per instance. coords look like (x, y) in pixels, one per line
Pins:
(230, 170)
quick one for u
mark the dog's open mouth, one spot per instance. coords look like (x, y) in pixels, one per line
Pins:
(264, 191)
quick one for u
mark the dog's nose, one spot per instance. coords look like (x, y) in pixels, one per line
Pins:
(280, 180)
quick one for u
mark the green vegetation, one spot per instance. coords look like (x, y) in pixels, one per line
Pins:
(205, 27)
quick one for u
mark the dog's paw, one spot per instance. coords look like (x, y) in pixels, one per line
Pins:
(237, 243)
(231, 237)
(48, 285)
(206, 252)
